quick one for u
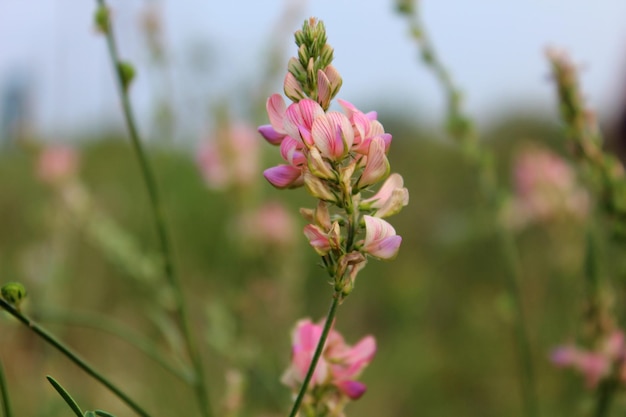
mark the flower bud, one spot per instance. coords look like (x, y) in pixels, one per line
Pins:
(13, 293)
(318, 188)
(318, 166)
(102, 19)
(126, 73)
(292, 88)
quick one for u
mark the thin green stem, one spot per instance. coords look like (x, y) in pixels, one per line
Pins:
(460, 127)
(605, 396)
(4, 394)
(81, 363)
(98, 322)
(330, 317)
(513, 277)
(159, 224)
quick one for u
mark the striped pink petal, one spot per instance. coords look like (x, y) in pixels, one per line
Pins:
(284, 176)
(333, 135)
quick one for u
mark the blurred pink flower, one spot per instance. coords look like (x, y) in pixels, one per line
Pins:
(57, 164)
(595, 365)
(230, 158)
(339, 365)
(271, 224)
(545, 188)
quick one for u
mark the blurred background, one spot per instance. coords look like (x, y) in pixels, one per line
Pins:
(76, 230)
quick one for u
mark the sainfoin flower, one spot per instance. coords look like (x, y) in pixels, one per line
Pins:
(229, 158)
(340, 364)
(545, 189)
(339, 157)
(57, 163)
(607, 360)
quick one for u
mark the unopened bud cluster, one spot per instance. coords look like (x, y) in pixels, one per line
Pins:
(337, 157)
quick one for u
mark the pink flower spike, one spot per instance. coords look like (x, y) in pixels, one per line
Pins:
(376, 166)
(333, 135)
(381, 240)
(284, 176)
(317, 238)
(271, 135)
(276, 112)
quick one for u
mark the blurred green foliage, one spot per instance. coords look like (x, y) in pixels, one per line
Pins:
(439, 312)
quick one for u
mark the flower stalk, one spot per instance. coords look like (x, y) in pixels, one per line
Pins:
(124, 78)
(460, 127)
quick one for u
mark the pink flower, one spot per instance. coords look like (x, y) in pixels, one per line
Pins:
(376, 164)
(366, 128)
(339, 364)
(595, 365)
(390, 199)
(332, 135)
(230, 158)
(57, 164)
(381, 240)
(271, 224)
(545, 188)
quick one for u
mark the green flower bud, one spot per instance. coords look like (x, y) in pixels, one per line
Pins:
(13, 293)
(126, 72)
(102, 19)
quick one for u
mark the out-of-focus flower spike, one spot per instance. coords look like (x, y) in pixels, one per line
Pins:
(376, 166)
(284, 176)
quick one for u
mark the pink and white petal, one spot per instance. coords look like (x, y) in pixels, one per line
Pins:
(333, 135)
(386, 248)
(276, 112)
(376, 229)
(291, 151)
(318, 239)
(284, 176)
(393, 182)
(301, 114)
(348, 107)
(271, 135)
(323, 89)
(377, 165)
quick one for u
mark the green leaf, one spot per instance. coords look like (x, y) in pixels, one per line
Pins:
(66, 396)
(101, 413)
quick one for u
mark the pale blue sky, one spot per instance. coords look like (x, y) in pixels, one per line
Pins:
(493, 47)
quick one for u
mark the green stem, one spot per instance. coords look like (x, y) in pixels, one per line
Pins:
(605, 397)
(513, 277)
(330, 317)
(97, 322)
(81, 363)
(460, 127)
(4, 393)
(159, 224)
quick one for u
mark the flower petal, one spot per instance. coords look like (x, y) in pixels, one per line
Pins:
(271, 135)
(276, 112)
(284, 176)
